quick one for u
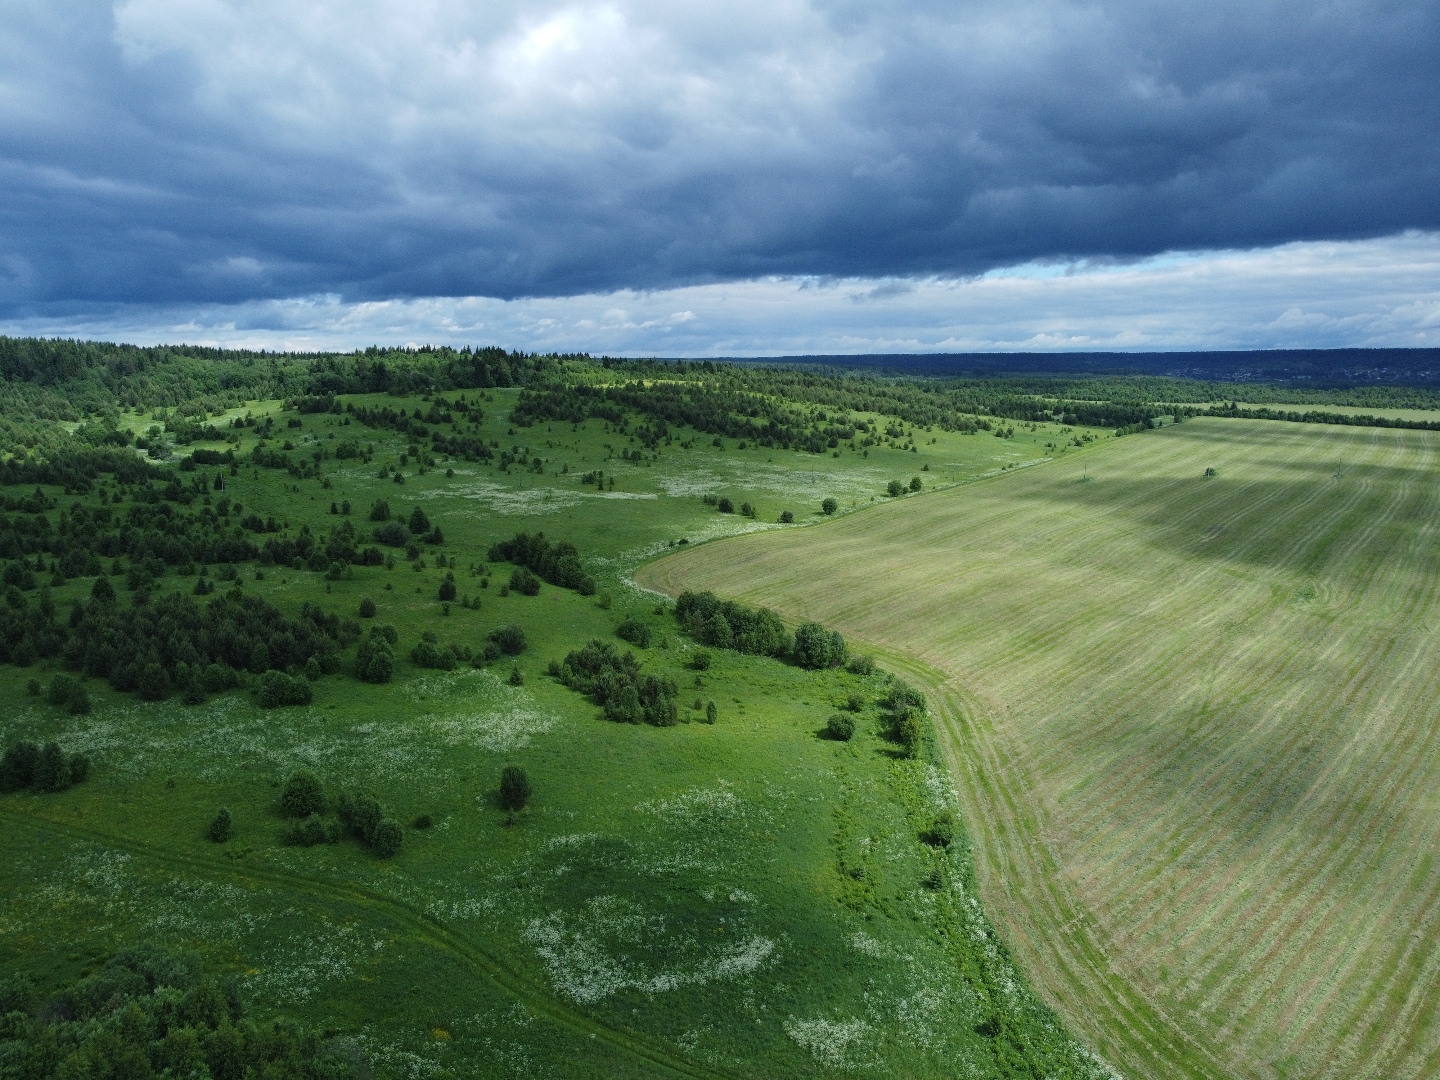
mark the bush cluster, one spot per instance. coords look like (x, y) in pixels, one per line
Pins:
(817, 647)
(615, 683)
(728, 625)
(156, 647)
(150, 1013)
(45, 768)
(374, 660)
(303, 801)
(276, 689)
(558, 563)
(634, 630)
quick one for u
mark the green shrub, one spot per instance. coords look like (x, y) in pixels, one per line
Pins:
(222, 826)
(79, 703)
(840, 727)
(428, 654)
(861, 665)
(634, 631)
(710, 712)
(17, 767)
(725, 506)
(911, 733)
(829, 506)
(302, 795)
(895, 489)
(786, 517)
(514, 788)
(374, 662)
(524, 582)
(367, 608)
(424, 821)
(361, 814)
(52, 771)
(61, 687)
(311, 831)
(79, 768)
(509, 639)
(218, 677)
(448, 590)
(387, 837)
(517, 678)
(942, 830)
(817, 647)
(701, 660)
(277, 689)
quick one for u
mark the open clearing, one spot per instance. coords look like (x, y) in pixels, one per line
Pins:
(1192, 723)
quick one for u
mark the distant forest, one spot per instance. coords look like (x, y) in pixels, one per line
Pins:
(60, 399)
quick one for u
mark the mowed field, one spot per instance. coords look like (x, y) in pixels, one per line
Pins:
(1194, 723)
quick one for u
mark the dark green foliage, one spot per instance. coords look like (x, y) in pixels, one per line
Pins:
(17, 994)
(140, 648)
(861, 665)
(615, 683)
(302, 795)
(361, 814)
(392, 534)
(61, 688)
(786, 517)
(817, 647)
(509, 639)
(942, 830)
(52, 771)
(79, 768)
(277, 689)
(102, 592)
(828, 506)
(374, 662)
(727, 625)
(311, 831)
(222, 827)
(79, 703)
(515, 789)
(710, 712)
(424, 821)
(32, 687)
(701, 660)
(854, 703)
(149, 1013)
(387, 838)
(419, 523)
(725, 506)
(17, 767)
(915, 483)
(557, 563)
(524, 582)
(910, 733)
(429, 654)
(635, 631)
(517, 677)
(219, 677)
(895, 489)
(447, 589)
(380, 511)
(840, 727)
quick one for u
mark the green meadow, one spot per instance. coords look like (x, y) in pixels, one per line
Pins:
(743, 897)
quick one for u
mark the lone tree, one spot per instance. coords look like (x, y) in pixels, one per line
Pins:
(894, 489)
(302, 795)
(367, 608)
(829, 506)
(514, 788)
(221, 826)
(387, 837)
(914, 483)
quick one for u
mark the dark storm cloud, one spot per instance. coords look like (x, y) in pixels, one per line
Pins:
(158, 151)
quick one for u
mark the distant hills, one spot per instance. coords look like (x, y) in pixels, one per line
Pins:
(1315, 366)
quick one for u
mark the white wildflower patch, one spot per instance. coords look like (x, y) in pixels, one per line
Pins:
(299, 968)
(498, 730)
(604, 951)
(864, 943)
(831, 1041)
(698, 805)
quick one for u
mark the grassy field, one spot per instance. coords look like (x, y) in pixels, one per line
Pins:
(742, 898)
(1192, 721)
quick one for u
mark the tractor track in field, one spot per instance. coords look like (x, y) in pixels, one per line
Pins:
(424, 927)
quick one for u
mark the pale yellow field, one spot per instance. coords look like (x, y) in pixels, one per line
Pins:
(1195, 725)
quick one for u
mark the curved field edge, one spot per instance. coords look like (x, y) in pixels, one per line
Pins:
(423, 927)
(957, 719)
(1193, 735)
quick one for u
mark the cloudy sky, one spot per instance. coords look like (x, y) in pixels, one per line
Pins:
(741, 178)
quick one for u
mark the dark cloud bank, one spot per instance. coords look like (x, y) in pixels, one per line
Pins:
(164, 152)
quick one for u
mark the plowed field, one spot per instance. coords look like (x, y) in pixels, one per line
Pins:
(1194, 722)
